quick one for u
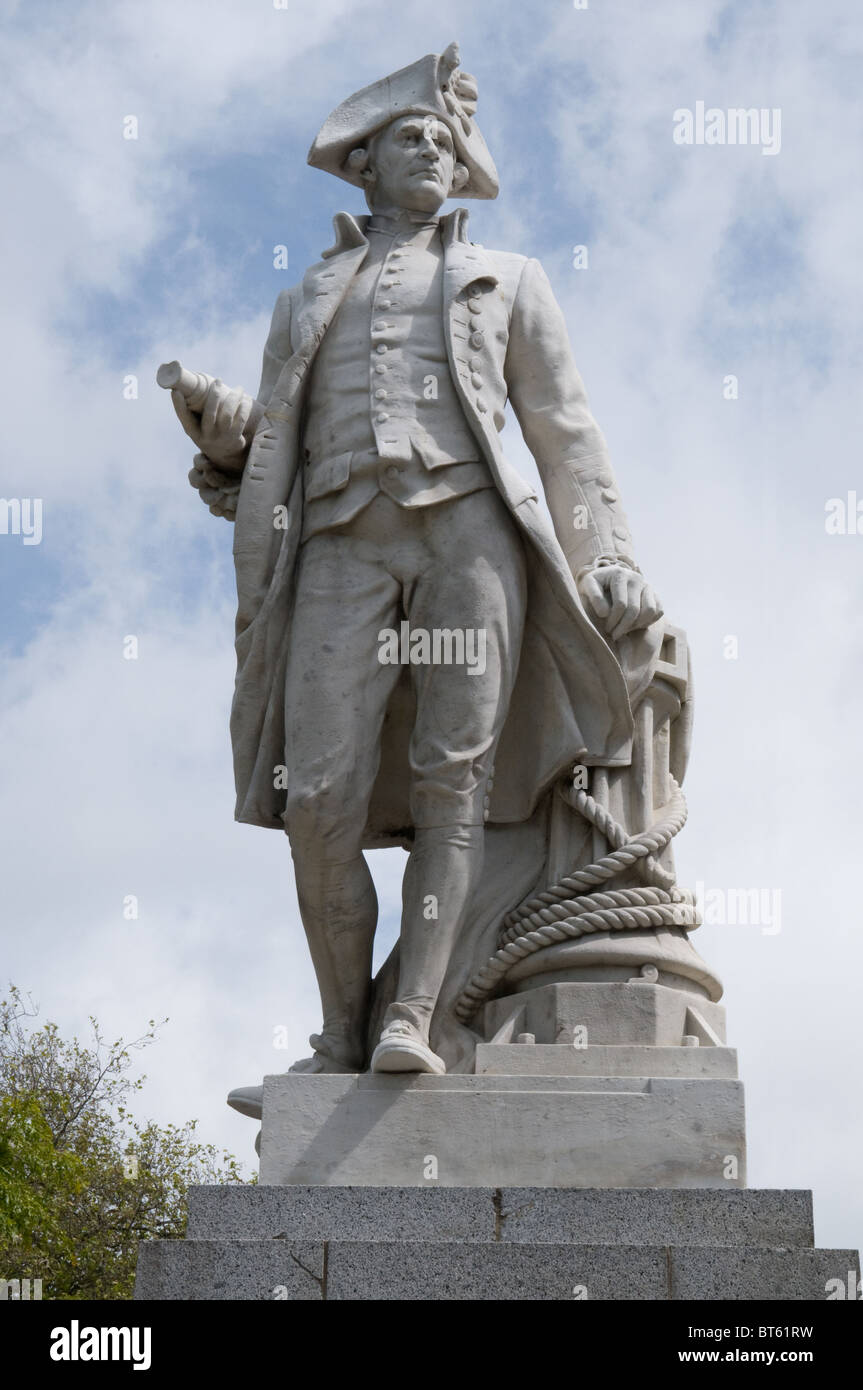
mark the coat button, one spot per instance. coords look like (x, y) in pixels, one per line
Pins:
(476, 381)
(475, 324)
(381, 394)
(609, 496)
(380, 325)
(381, 417)
(477, 340)
(619, 534)
(386, 304)
(474, 305)
(481, 405)
(474, 364)
(381, 347)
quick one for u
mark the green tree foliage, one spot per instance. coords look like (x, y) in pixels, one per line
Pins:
(81, 1180)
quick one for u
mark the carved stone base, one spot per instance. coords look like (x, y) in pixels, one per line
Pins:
(654, 1011)
(491, 1130)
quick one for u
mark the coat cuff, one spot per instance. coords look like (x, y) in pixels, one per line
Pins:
(602, 561)
(219, 491)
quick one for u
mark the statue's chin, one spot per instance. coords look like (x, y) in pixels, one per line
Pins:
(424, 195)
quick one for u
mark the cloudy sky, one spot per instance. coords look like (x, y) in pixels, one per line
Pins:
(705, 262)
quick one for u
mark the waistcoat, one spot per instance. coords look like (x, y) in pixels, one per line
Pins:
(383, 414)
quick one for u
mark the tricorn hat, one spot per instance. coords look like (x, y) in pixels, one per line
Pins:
(435, 86)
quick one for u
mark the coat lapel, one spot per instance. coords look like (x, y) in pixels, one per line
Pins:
(326, 283)
(323, 288)
(466, 265)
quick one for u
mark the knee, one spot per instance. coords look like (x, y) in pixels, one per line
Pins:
(324, 822)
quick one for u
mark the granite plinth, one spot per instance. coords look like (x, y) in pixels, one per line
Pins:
(482, 1214)
(438, 1244)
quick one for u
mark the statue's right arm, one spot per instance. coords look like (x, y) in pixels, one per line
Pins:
(225, 425)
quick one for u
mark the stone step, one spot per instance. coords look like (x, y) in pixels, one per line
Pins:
(732, 1217)
(554, 1059)
(235, 1270)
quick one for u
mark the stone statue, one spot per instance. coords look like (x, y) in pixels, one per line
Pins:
(422, 659)
(425, 660)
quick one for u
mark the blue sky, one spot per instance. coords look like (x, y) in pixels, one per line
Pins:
(704, 261)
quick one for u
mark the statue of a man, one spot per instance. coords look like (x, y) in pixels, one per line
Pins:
(415, 657)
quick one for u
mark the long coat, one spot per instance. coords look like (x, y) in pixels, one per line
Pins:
(570, 702)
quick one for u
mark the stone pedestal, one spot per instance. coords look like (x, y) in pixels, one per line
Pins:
(459, 1243)
(573, 1129)
(596, 1150)
(617, 1083)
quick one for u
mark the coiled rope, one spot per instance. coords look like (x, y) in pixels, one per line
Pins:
(563, 913)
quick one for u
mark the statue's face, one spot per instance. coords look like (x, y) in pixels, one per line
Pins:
(413, 161)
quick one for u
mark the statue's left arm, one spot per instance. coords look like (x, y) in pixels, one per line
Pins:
(550, 403)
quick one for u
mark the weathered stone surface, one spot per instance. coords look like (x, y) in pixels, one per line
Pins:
(422, 1272)
(234, 1270)
(347, 1213)
(576, 1272)
(384, 1271)
(476, 1214)
(705, 1217)
(499, 1131)
(741, 1275)
(605, 1012)
(540, 1059)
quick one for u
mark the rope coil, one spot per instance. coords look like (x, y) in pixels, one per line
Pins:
(563, 913)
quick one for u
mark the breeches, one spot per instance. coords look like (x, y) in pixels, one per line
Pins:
(454, 568)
